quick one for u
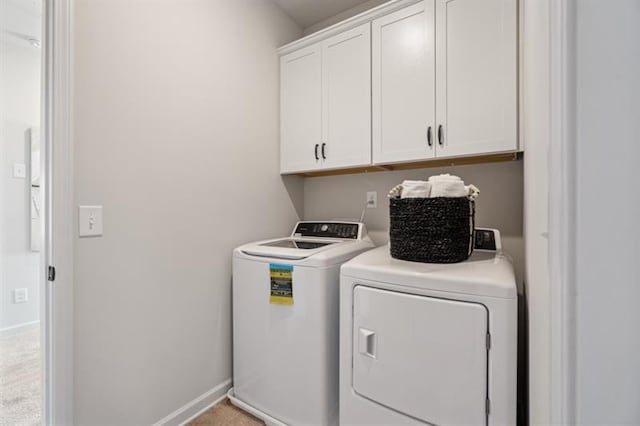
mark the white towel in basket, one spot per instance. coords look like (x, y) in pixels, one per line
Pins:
(415, 189)
(447, 186)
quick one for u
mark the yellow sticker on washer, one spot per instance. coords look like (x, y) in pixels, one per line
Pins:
(281, 284)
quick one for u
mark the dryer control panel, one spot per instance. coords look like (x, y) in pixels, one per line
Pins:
(487, 239)
(348, 230)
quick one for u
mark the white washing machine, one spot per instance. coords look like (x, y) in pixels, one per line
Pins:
(425, 343)
(286, 322)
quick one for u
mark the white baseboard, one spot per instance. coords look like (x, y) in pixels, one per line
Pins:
(199, 405)
(14, 328)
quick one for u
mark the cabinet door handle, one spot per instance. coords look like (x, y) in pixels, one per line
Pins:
(315, 151)
(324, 157)
(429, 142)
(440, 138)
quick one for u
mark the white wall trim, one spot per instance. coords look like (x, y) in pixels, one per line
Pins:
(197, 406)
(15, 328)
(341, 16)
(562, 246)
(57, 306)
(345, 25)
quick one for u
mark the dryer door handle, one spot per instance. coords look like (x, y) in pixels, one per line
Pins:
(368, 343)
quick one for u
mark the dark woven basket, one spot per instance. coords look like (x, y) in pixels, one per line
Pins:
(431, 230)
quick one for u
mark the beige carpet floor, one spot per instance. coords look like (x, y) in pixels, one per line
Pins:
(224, 413)
(20, 377)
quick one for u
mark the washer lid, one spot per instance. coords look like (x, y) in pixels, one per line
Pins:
(297, 244)
(288, 248)
(309, 252)
(484, 273)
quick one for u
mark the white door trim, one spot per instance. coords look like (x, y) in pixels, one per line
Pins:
(59, 213)
(562, 231)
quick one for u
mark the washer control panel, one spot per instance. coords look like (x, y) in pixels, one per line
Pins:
(348, 230)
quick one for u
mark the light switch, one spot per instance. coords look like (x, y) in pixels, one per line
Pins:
(19, 171)
(90, 221)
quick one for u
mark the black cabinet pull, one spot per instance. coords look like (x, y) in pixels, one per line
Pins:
(316, 152)
(324, 157)
(429, 142)
(440, 139)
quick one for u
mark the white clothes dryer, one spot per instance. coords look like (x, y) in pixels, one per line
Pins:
(286, 322)
(425, 343)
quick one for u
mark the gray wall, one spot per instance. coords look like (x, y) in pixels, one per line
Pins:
(176, 135)
(608, 210)
(19, 110)
(499, 205)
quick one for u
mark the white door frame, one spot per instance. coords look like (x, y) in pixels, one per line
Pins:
(562, 202)
(59, 213)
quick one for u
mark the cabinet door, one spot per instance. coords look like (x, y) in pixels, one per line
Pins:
(346, 71)
(476, 76)
(403, 73)
(301, 110)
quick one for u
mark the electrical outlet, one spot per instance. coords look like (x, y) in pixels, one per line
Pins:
(372, 199)
(20, 295)
(19, 171)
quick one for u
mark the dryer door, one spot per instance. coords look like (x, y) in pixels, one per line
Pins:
(421, 356)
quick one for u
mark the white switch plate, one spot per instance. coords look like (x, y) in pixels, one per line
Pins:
(90, 221)
(372, 199)
(19, 171)
(20, 295)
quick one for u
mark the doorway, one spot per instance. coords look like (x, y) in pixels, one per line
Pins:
(36, 211)
(22, 213)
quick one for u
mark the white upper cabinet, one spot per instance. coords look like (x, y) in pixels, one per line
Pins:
(403, 77)
(476, 76)
(326, 104)
(301, 110)
(405, 82)
(346, 73)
